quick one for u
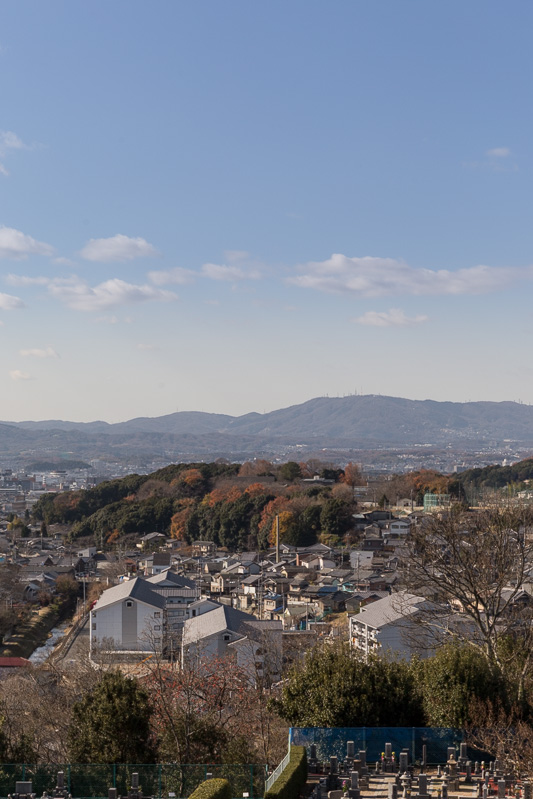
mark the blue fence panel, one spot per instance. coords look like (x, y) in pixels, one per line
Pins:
(331, 741)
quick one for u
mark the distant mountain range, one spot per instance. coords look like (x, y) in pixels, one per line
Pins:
(357, 422)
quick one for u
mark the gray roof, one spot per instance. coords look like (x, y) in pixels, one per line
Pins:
(390, 609)
(204, 603)
(251, 579)
(213, 622)
(171, 579)
(161, 559)
(130, 589)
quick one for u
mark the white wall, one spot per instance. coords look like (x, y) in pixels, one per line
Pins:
(138, 633)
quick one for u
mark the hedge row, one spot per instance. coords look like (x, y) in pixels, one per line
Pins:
(212, 789)
(292, 779)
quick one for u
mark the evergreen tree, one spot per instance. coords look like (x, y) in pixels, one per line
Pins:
(333, 688)
(111, 723)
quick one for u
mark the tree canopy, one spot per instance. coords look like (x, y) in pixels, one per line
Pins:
(111, 723)
(333, 688)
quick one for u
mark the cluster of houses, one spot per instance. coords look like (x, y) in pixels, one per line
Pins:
(186, 601)
(202, 599)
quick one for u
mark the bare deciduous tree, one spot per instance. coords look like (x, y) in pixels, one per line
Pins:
(474, 564)
(503, 735)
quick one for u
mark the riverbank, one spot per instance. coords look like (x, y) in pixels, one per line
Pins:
(35, 632)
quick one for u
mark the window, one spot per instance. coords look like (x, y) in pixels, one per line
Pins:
(94, 625)
(226, 638)
(157, 614)
(157, 627)
(129, 604)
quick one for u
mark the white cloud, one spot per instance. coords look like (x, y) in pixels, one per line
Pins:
(37, 353)
(17, 245)
(10, 141)
(392, 318)
(498, 152)
(24, 280)
(17, 375)
(8, 302)
(77, 294)
(117, 248)
(231, 273)
(377, 277)
(147, 347)
(177, 276)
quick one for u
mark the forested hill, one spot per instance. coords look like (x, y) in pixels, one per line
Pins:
(494, 477)
(231, 505)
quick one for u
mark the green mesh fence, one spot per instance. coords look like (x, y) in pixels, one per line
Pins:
(331, 741)
(92, 781)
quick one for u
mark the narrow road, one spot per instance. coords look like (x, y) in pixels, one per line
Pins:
(75, 648)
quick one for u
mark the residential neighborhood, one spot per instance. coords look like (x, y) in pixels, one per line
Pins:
(178, 599)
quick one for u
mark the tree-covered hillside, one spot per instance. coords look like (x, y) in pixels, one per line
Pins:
(233, 505)
(491, 477)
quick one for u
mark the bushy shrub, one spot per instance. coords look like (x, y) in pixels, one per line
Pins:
(212, 789)
(292, 779)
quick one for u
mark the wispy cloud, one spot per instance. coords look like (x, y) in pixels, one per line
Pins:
(9, 303)
(176, 276)
(117, 248)
(233, 256)
(377, 277)
(107, 320)
(39, 353)
(17, 245)
(392, 318)
(17, 375)
(498, 152)
(77, 294)
(25, 280)
(9, 141)
(497, 159)
(229, 273)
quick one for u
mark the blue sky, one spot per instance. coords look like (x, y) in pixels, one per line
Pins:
(237, 206)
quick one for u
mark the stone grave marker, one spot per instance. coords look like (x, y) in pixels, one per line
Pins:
(423, 786)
